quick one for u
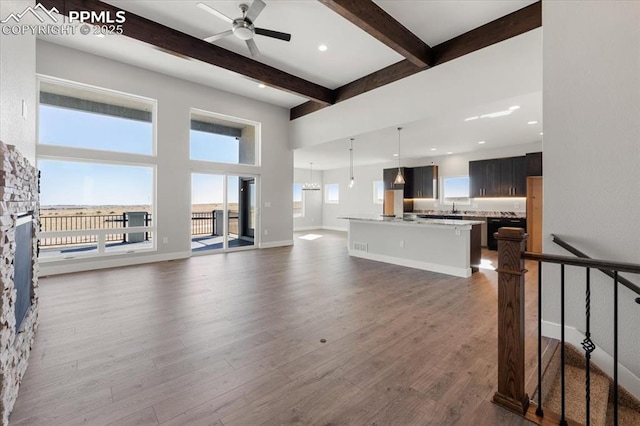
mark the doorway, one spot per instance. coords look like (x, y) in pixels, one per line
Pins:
(223, 212)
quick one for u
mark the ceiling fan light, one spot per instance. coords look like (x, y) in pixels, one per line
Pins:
(243, 33)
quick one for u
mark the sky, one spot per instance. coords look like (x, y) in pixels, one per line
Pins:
(85, 183)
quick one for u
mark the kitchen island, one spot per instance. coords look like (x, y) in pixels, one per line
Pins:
(447, 246)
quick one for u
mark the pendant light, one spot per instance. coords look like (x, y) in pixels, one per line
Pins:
(399, 178)
(311, 185)
(352, 181)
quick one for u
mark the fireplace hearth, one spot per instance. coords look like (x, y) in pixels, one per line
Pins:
(19, 225)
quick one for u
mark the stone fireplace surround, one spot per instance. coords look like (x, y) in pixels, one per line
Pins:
(18, 195)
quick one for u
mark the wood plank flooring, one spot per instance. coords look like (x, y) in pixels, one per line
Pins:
(235, 339)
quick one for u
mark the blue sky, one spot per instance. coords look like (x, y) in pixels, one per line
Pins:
(76, 183)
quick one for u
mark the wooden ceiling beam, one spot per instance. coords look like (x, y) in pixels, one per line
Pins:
(511, 25)
(374, 20)
(163, 37)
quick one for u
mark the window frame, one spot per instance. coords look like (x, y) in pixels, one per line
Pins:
(462, 201)
(375, 192)
(257, 139)
(302, 200)
(326, 193)
(153, 104)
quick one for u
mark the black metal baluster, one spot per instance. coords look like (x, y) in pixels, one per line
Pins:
(615, 348)
(588, 347)
(539, 411)
(563, 420)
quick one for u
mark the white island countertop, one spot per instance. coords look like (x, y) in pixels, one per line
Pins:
(415, 222)
(447, 246)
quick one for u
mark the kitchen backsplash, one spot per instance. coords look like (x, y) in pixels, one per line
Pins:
(476, 204)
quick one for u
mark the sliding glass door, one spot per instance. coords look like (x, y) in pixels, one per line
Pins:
(224, 213)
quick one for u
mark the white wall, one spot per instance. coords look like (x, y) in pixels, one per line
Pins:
(353, 201)
(18, 83)
(175, 98)
(312, 200)
(359, 200)
(591, 56)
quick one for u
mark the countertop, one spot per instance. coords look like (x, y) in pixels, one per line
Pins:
(417, 222)
(471, 213)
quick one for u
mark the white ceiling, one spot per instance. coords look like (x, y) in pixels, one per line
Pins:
(351, 54)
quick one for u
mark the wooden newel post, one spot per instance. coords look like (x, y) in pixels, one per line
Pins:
(511, 394)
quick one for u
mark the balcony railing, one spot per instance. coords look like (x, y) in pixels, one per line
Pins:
(202, 223)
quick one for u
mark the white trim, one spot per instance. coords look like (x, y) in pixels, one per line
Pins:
(104, 263)
(273, 244)
(306, 228)
(602, 359)
(426, 266)
(335, 228)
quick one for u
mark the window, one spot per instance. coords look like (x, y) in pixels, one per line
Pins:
(79, 196)
(222, 140)
(90, 204)
(378, 192)
(78, 117)
(455, 188)
(332, 193)
(298, 200)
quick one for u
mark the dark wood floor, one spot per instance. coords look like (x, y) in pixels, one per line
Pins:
(235, 339)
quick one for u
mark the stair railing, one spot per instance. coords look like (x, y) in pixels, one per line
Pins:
(511, 320)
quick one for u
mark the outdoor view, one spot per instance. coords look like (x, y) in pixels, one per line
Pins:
(82, 195)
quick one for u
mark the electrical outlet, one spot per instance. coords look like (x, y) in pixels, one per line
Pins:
(266, 232)
(401, 243)
(457, 231)
(516, 205)
(165, 240)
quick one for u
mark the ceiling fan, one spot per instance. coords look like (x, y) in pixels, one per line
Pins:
(243, 27)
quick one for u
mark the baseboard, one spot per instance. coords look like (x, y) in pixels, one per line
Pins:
(306, 228)
(273, 244)
(601, 358)
(409, 263)
(335, 228)
(47, 269)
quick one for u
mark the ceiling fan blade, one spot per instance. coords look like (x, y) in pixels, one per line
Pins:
(255, 9)
(215, 12)
(273, 34)
(218, 36)
(253, 47)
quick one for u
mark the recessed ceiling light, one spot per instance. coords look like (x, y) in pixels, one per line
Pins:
(261, 85)
(475, 117)
(449, 152)
(541, 133)
(481, 142)
(532, 122)
(512, 108)
(433, 149)
(395, 155)
(322, 48)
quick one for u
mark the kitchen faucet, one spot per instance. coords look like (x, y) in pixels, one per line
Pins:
(453, 209)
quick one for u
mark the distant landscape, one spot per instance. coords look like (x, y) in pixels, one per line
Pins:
(76, 217)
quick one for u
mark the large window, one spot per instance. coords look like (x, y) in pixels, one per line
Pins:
(91, 205)
(79, 196)
(298, 200)
(332, 193)
(77, 117)
(222, 140)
